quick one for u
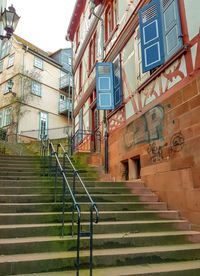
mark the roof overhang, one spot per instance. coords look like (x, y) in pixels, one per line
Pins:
(75, 19)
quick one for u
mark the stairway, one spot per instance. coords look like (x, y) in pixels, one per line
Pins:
(136, 234)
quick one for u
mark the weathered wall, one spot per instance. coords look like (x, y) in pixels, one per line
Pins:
(167, 139)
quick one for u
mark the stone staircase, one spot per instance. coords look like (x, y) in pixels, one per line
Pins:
(136, 234)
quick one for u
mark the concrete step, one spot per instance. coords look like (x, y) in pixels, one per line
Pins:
(114, 240)
(37, 262)
(13, 198)
(45, 189)
(53, 229)
(102, 206)
(187, 268)
(54, 217)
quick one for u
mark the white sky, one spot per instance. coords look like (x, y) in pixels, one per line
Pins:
(44, 22)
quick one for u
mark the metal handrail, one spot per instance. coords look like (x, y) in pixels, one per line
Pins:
(76, 205)
(93, 206)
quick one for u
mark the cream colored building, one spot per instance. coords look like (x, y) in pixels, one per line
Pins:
(33, 98)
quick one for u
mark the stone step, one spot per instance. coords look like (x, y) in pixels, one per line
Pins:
(37, 177)
(47, 181)
(79, 189)
(23, 198)
(187, 268)
(56, 217)
(56, 243)
(102, 206)
(54, 229)
(37, 262)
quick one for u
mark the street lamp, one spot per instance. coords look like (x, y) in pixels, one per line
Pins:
(10, 20)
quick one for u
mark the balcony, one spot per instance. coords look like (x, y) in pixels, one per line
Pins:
(66, 81)
(65, 106)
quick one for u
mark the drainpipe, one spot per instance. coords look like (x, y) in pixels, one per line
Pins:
(102, 59)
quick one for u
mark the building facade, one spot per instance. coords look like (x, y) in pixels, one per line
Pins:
(152, 53)
(33, 100)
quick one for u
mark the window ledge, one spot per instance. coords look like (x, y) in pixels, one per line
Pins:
(162, 68)
(40, 96)
(111, 36)
(38, 67)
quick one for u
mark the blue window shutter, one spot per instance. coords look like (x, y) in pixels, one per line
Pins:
(150, 20)
(104, 85)
(171, 27)
(117, 83)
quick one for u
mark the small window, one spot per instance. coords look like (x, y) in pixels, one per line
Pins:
(36, 88)
(43, 124)
(8, 116)
(1, 66)
(69, 61)
(62, 97)
(92, 52)
(38, 62)
(80, 77)
(11, 60)
(1, 118)
(109, 21)
(5, 50)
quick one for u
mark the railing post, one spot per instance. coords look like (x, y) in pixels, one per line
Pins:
(63, 204)
(91, 238)
(78, 248)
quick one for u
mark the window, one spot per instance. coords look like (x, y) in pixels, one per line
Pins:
(77, 37)
(1, 118)
(92, 52)
(38, 62)
(108, 85)
(11, 60)
(1, 66)
(160, 32)
(5, 50)
(36, 88)
(62, 97)
(80, 77)
(43, 124)
(69, 61)
(8, 116)
(109, 21)
(141, 77)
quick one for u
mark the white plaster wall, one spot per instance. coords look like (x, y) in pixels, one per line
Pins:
(192, 8)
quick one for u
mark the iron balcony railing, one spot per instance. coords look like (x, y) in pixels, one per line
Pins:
(65, 106)
(86, 141)
(66, 81)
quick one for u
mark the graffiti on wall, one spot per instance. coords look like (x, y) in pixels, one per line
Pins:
(157, 152)
(147, 128)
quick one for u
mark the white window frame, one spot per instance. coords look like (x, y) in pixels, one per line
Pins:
(7, 116)
(38, 62)
(11, 60)
(1, 118)
(36, 88)
(1, 66)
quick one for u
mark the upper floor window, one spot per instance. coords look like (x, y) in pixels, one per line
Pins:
(5, 116)
(38, 62)
(80, 76)
(160, 31)
(5, 50)
(109, 20)
(11, 60)
(36, 88)
(1, 66)
(8, 116)
(92, 52)
(77, 36)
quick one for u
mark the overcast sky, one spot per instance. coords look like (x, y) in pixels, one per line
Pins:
(44, 22)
